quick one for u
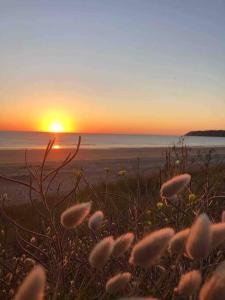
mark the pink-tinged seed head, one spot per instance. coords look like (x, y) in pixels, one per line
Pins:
(177, 243)
(214, 287)
(218, 234)
(189, 284)
(118, 282)
(101, 252)
(173, 186)
(32, 288)
(96, 220)
(122, 244)
(148, 251)
(199, 239)
(75, 215)
(28, 263)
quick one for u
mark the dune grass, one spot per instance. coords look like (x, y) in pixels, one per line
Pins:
(132, 204)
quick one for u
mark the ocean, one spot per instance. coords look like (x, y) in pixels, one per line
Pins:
(39, 140)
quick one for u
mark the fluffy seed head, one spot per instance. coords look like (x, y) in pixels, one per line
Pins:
(75, 215)
(117, 282)
(101, 252)
(122, 244)
(28, 263)
(214, 288)
(177, 243)
(147, 251)
(32, 288)
(173, 186)
(199, 239)
(218, 234)
(189, 284)
(95, 220)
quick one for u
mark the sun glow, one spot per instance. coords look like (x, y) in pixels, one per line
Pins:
(56, 127)
(57, 122)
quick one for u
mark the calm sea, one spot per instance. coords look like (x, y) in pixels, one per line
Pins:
(38, 140)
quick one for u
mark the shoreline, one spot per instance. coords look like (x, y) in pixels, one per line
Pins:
(17, 156)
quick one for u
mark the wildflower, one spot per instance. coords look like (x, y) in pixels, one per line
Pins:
(177, 162)
(65, 260)
(122, 172)
(117, 282)
(33, 286)
(149, 212)
(177, 243)
(149, 222)
(95, 220)
(218, 234)
(33, 240)
(189, 284)
(214, 288)
(122, 244)
(199, 239)
(149, 217)
(48, 230)
(147, 251)
(78, 173)
(175, 185)
(101, 252)
(192, 198)
(75, 215)
(159, 205)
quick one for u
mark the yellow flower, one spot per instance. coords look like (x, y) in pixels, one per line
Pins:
(149, 212)
(78, 173)
(177, 162)
(149, 223)
(48, 231)
(192, 198)
(122, 172)
(159, 205)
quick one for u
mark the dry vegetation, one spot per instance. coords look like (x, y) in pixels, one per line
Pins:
(139, 237)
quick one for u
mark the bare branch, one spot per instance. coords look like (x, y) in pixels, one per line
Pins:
(66, 161)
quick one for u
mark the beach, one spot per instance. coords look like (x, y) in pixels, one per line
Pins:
(93, 162)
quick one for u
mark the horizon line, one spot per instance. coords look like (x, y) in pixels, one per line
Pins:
(97, 133)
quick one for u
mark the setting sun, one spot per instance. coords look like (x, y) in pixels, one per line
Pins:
(57, 121)
(56, 127)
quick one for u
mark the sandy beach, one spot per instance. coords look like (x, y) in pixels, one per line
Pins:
(92, 161)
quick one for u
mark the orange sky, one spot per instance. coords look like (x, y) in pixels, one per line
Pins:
(87, 112)
(151, 68)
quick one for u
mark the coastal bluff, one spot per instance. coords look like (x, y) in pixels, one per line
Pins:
(208, 133)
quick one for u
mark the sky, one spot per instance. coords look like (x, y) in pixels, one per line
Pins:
(112, 66)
